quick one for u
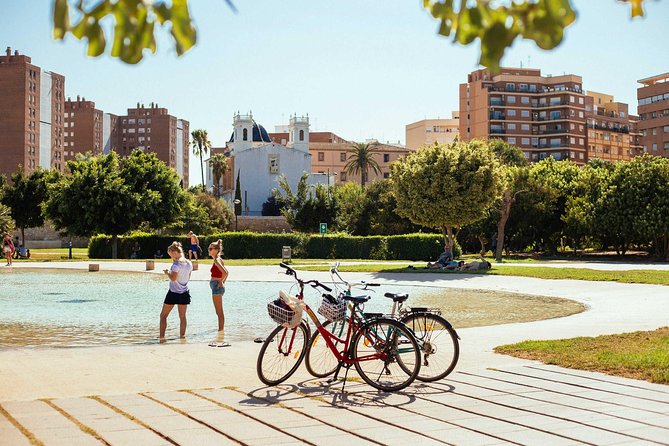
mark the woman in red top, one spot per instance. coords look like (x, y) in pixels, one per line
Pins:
(219, 274)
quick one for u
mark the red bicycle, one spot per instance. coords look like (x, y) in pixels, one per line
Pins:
(383, 351)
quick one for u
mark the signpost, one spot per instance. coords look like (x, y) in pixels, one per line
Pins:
(324, 228)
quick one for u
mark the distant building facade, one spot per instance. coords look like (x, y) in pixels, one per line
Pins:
(653, 109)
(542, 115)
(259, 161)
(83, 128)
(428, 131)
(608, 124)
(31, 115)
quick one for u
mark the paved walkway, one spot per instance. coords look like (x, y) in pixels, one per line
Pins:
(190, 394)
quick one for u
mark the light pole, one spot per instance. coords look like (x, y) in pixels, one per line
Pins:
(237, 202)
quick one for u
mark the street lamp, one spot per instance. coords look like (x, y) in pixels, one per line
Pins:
(237, 202)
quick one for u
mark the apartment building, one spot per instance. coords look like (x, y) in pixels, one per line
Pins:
(428, 131)
(608, 124)
(653, 109)
(542, 115)
(31, 115)
(83, 128)
(636, 146)
(153, 129)
(331, 159)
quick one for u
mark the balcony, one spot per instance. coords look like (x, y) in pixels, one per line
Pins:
(497, 131)
(548, 131)
(622, 129)
(550, 104)
(497, 102)
(497, 116)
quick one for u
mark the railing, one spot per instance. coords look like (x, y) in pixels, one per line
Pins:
(623, 129)
(496, 102)
(550, 104)
(549, 131)
(498, 116)
(497, 131)
(541, 90)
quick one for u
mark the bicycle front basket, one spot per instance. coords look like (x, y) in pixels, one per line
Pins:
(332, 311)
(283, 315)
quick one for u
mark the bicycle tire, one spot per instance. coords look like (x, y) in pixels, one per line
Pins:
(402, 362)
(320, 360)
(438, 341)
(274, 365)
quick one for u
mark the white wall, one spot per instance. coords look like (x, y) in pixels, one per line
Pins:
(256, 180)
(45, 120)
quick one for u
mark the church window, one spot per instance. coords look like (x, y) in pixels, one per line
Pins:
(274, 164)
(245, 135)
(321, 156)
(301, 135)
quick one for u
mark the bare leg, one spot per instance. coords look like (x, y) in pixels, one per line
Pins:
(218, 306)
(163, 319)
(182, 320)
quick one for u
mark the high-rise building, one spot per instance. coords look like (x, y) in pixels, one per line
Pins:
(429, 131)
(83, 128)
(542, 115)
(653, 112)
(636, 146)
(31, 115)
(153, 129)
(608, 125)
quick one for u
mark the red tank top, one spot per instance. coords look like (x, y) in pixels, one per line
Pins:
(216, 271)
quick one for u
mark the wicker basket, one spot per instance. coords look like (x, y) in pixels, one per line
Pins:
(332, 312)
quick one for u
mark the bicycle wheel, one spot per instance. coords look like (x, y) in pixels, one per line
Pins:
(438, 342)
(386, 354)
(320, 360)
(281, 354)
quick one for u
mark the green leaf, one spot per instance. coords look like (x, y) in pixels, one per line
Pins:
(61, 19)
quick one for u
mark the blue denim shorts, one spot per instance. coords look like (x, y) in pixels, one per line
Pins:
(215, 289)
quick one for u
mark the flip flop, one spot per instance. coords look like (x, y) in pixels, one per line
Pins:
(223, 344)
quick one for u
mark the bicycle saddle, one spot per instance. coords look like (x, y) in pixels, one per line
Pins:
(397, 297)
(356, 299)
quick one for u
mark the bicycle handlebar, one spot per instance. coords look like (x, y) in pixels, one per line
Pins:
(314, 283)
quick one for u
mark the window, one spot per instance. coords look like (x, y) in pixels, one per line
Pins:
(522, 87)
(524, 100)
(525, 141)
(301, 135)
(386, 174)
(525, 127)
(666, 129)
(386, 157)
(342, 176)
(533, 88)
(580, 101)
(571, 99)
(510, 87)
(511, 140)
(511, 113)
(525, 113)
(245, 135)
(342, 156)
(321, 156)
(511, 100)
(654, 147)
(273, 164)
(580, 141)
(511, 126)
(572, 140)
(666, 146)
(654, 131)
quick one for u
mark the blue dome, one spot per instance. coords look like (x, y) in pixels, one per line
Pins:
(259, 134)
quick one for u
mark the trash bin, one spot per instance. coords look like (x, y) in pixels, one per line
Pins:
(285, 253)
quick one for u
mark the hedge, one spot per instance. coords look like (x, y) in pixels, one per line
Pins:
(252, 245)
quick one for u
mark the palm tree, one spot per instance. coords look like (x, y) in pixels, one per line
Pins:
(201, 146)
(361, 159)
(219, 166)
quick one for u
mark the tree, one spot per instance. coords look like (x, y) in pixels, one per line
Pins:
(308, 206)
(6, 222)
(219, 167)
(238, 195)
(111, 196)
(201, 146)
(361, 159)
(271, 208)
(25, 197)
(513, 164)
(447, 187)
(495, 24)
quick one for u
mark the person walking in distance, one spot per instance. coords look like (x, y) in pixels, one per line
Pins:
(219, 274)
(194, 245)
(178, 294)
(8, 248)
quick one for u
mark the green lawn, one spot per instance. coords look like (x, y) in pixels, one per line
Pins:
(640, 355)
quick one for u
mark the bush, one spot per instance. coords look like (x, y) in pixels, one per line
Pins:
(251, 245)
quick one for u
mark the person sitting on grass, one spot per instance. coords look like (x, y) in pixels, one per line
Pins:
(443, 259)
(476, 265)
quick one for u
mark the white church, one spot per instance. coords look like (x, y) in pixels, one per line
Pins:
(259, 161)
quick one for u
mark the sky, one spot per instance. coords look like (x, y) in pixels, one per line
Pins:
(360, 69)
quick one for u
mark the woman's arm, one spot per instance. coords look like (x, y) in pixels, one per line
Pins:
(219, 264)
